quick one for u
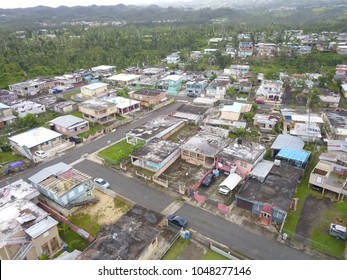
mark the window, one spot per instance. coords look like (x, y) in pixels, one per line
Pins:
(243, 164)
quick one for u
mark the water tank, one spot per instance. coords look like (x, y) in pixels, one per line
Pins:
(51, 126)
(277, 162)
(239, 141)
(215, 172)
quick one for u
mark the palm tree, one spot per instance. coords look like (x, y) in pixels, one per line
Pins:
(313, 102)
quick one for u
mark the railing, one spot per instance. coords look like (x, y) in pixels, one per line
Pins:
(23, 251)
(18, 240)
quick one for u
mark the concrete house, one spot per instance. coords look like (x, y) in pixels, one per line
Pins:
(196, 86)
(133, 237)
(173, 58)
(344, 90)
(191, 113)
(98, 111)
(153, 72)
(266, 49)
(286, 141)
(94, 90)
(7, 97)
(171, 84)
(28, 107)
(69, 125)
(161, 127)
(26, 231)
(123, 80)
(65, 107)
(35, 139)
(6, 115)
(148, 96)
(31, 87)
(124, 105)
(217, 89)
(63, 184)
(337, 122)
(103, 70)
(270, 90)
(235, 111)
(239, 71)
(241, 155)
(202, 149)
(245, 49)
(155, 154)
(265, 122)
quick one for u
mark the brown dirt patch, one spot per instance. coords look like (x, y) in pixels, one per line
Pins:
(311, 214)
(104, 212)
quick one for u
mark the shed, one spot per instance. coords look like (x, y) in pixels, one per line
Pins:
(300, 158)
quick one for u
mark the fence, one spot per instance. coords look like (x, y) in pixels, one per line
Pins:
(223, 253)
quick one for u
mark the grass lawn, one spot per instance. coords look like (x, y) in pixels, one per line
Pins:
(8, 157)
(121, 205)
(77, 114)
(93, 129)
(212, 255)
(72, 239)
(120, 118)
(70, 94)
(84, 221)
(112, 154)
(176, 249)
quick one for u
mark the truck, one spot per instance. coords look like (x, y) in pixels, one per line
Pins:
(338, 231)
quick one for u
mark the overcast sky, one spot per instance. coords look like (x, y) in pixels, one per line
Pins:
(9, 4)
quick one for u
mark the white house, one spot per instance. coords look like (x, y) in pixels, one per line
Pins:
(271, 90)
(27, 107)
(94, 90)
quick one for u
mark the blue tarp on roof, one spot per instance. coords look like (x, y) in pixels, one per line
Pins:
(298, 156)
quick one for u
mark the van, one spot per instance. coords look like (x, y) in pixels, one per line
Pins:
(75, 139)
(338, 231)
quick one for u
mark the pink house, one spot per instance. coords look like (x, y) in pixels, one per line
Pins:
(241, 155)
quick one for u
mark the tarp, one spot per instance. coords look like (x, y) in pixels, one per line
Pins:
(299, 156)
(15, 164)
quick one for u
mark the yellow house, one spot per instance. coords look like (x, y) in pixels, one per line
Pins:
(94, 90)
(233, 112)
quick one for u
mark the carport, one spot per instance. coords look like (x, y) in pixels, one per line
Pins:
(299, 158)
(231, 181)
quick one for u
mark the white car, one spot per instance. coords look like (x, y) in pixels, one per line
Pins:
(102, 182)
(40, 154)
(224, 190)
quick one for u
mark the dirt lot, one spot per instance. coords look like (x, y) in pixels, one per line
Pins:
(312, 214)
(105, 212)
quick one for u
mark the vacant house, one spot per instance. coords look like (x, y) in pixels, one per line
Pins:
(124, 105)
(133, 237)
(202, 149)
(235, 111)
(31, 87)
(65, 107)
(337, 122)
(63, 184)
(98, 111)
(161, 127)
(241, 155)
(6, 115)
(238, 71)
(69, 125)
(148, 96)
(26, 231)
(28, 107)
(155, 154)
(7, 97)
(94, 90)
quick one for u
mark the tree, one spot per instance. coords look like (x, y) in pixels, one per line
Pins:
(240, 132)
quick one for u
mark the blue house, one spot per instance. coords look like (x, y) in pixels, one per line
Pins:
(196, 87)
(171, 84)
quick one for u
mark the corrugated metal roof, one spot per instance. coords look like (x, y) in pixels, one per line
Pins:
(41, 227)
(262, 169)
(68, 121)
(300, 156)
(288, 141)
(48, 171)
(231, 181)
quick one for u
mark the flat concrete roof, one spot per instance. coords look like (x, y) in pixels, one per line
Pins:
(206, 144)
(192, 109)
(35, 137)
(68, 121)
(95, 86)
(246, 151)
(337, 119)
(156, 150)
(147, 92)
(128, 238)
(123, 77)
(96, 104)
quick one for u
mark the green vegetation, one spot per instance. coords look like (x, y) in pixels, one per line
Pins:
(176, 249)
(68, 96)
(8, 157)
(84, 221)
(212, 255)
(121, 205)
(92, 130)
(77, 114)
(71, 238)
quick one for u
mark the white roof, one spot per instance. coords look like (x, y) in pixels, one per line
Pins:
(95, 86)
(237, 107)
(35, 137)
(122, 102)
(41, 227)
(304, 118)
(123, 77)
(68, 121)
(204, 100)
(175, 78)
(103, 68)
(231, 181)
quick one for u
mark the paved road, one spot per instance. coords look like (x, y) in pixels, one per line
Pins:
(131, 188)
(76, 153)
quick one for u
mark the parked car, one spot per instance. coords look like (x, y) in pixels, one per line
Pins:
(316, 188)
(208, 180)
(224, 190)
(192, 94)
(177, 221)
(338, 231)
(102, 182)
(75, 139)
(41, 154)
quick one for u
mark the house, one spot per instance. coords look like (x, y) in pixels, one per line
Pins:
(65, 107)
(171, 84)
(266, 49)
(94, 90)
(265, 122)
(26, 231)
(173, 58)
(210, 51)
(239, 71)
(337, 122)
(133, 237)
(245, 49)
(69, 125)
(196, 86)
(103, 70)
(217, 89)
(153, 73)
(204, 101)
(241, 155)
(293, 157)
(235, 111)
(202, 149)
(68, 80)
(124, 105)
(31, 87)
(155, 154)
(64, 185)
(344, 90)
(306, 132)
(271, 199)
(337, 145)
(243, 86)
(124, 80)
(28, 107)
(161, 127)
(7, 97)
(6, 115)
(331, 176)
(270, 90)
(341, 49)
(195, 55)
(286, 141)
(332, 100)
(148, 96)
(341, 72)
(35, 139)
(191, 113)
(98, 111)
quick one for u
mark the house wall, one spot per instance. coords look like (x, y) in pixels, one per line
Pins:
(149, 250)
(232, 116)
(46, 243)
(111, 109)
(50, 144)
(6, 113)
(196, 158)
(73, 131)
(93, 92)
(216, 92)
(148, 99)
